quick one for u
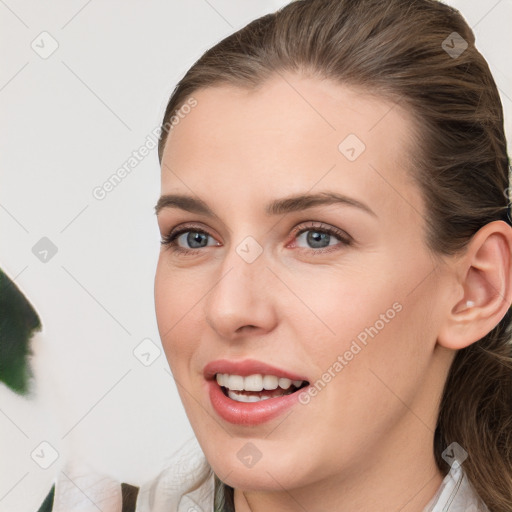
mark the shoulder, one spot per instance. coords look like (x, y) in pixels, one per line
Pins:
(128, 498)
(78, 486)
(187, 481)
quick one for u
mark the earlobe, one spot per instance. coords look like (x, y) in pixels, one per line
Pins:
(484, 280)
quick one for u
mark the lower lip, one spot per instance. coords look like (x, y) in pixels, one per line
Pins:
(249, 413)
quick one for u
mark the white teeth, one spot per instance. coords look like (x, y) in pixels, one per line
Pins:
(270, 382)
(234, 382)
(285, 383)
(255, 382)
(245, 398)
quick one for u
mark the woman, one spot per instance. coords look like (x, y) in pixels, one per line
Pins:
(334, 283)
(405, 273)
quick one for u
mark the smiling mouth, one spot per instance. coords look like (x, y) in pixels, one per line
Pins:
(257, 387)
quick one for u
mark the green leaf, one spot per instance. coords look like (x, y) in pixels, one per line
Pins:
(18, 323)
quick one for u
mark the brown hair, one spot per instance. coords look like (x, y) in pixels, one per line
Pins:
(405, 51)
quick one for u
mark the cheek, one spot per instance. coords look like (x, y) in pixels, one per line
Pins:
(387, 360)
(170, 313)
(164, 301)
(376, 331)
(359, 305)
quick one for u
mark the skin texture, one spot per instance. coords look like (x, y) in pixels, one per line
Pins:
(365, 441)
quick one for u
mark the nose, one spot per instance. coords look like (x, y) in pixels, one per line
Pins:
(243, 297)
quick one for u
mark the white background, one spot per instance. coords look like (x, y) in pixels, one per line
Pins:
(68, 122)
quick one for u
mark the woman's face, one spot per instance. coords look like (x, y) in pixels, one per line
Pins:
(353, 311)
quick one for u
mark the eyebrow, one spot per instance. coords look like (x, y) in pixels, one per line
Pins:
(275, 207)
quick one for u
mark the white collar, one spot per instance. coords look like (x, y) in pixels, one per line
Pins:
(168, 491)
(455, 494)
(80, 487)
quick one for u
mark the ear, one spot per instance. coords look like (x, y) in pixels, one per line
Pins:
(484, 280)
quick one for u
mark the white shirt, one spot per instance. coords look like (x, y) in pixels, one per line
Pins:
(166, 492)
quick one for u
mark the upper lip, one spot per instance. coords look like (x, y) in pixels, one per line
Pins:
(246, 367)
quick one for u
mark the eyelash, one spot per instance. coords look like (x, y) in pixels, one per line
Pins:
(170, 240)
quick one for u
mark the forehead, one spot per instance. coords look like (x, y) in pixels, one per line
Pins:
(290, 105)
(288, 135)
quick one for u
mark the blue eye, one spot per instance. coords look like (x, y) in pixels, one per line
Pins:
(195, 237)
(319, 237)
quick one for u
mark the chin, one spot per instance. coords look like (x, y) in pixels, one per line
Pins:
(264, 475)
(252, 480)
